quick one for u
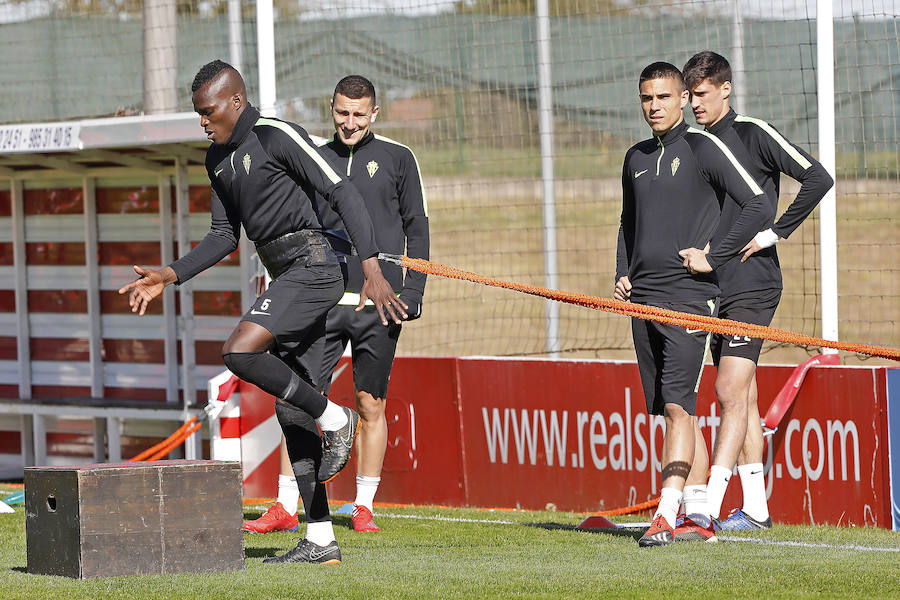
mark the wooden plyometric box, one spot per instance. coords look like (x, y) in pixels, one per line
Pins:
(101, 520)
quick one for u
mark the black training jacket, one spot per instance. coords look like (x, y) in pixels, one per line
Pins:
(769, 155)
(386, 174)
(266, 177)
(673, 189)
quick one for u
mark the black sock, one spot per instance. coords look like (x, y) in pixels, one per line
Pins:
(304, 445)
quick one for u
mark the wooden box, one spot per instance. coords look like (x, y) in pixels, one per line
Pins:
(102, 520)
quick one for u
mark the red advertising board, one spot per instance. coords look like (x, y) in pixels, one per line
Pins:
(828, 462)
(575, 434)
(561, 432)
(423, 462)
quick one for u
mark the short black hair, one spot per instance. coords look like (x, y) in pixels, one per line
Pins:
(706, 65)
(355, 87)
(207, 73)
(661, 70)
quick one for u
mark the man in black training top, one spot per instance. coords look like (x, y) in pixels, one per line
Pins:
(387, 176)
(264, 174)
(673, 187)
(751, 287)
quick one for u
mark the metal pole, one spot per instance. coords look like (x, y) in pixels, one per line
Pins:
(20, 268)
(185, 291)
(235, 35)
(23, 330)
(545, 125)
(265, 40)
(170, 336)
(827, 208)
(92, 285)
(738, 74)
(236, 56)
(160, 58)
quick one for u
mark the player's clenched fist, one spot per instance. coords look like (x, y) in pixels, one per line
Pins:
(623, 289)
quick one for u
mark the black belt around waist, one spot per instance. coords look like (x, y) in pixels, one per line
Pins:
(307, 246)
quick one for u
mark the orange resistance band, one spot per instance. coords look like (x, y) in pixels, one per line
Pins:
(641, 311)
(159, 450)
(627, 510)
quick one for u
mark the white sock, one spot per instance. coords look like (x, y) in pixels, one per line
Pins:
(669, 501)
(288, 493)
(694, 499)
(753, 482)
(718, 483)
(333, 418)
(321, 533)
(365, 490)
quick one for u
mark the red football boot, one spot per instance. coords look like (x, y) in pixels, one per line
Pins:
(696, 528)
(362, 519)
(274, 519)
(660, 533)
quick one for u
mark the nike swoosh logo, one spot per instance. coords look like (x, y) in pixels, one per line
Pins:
(737, 345)
(639, 173)
(693, 330)
(259, 312)
(316, 555)
(219, 171)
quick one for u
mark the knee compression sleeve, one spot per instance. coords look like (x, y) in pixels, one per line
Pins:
(273, 376)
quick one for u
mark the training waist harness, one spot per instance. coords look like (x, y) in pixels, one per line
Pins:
(307, 246)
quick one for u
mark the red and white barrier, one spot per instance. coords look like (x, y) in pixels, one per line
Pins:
(246, 429)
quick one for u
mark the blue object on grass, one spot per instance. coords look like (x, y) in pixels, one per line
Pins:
(17, 498)
(346, 509)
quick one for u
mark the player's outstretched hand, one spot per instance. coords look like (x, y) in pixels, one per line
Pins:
(623, 289)
(145, 288)
(380, 292)
(695, 260)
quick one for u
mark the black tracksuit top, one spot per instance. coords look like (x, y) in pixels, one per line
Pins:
(673, 190)
(386, 174)
(266, 177)
(769, 155)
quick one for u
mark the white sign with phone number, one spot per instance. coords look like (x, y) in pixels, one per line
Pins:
(39, 137)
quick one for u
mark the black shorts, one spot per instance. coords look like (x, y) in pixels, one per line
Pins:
(757, 308)
(372, 344)
(293, 309)
(670, 358)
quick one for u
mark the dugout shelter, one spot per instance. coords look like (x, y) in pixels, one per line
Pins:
(80, 203)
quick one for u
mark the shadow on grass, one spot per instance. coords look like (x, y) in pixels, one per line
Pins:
(264, 552)
(621, 531)
(19, 569)
(340, 520)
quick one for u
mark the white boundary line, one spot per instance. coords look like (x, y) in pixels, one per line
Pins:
(441, 518)
(762, 542)
(808, 544)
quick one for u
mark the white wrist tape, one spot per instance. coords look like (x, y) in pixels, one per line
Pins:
(766, 239)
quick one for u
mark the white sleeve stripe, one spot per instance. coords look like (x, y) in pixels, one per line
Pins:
(737, 165)
(313, 154)
(792, 152)
(422, 185)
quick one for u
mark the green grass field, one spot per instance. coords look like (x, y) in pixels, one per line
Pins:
(470, 553)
